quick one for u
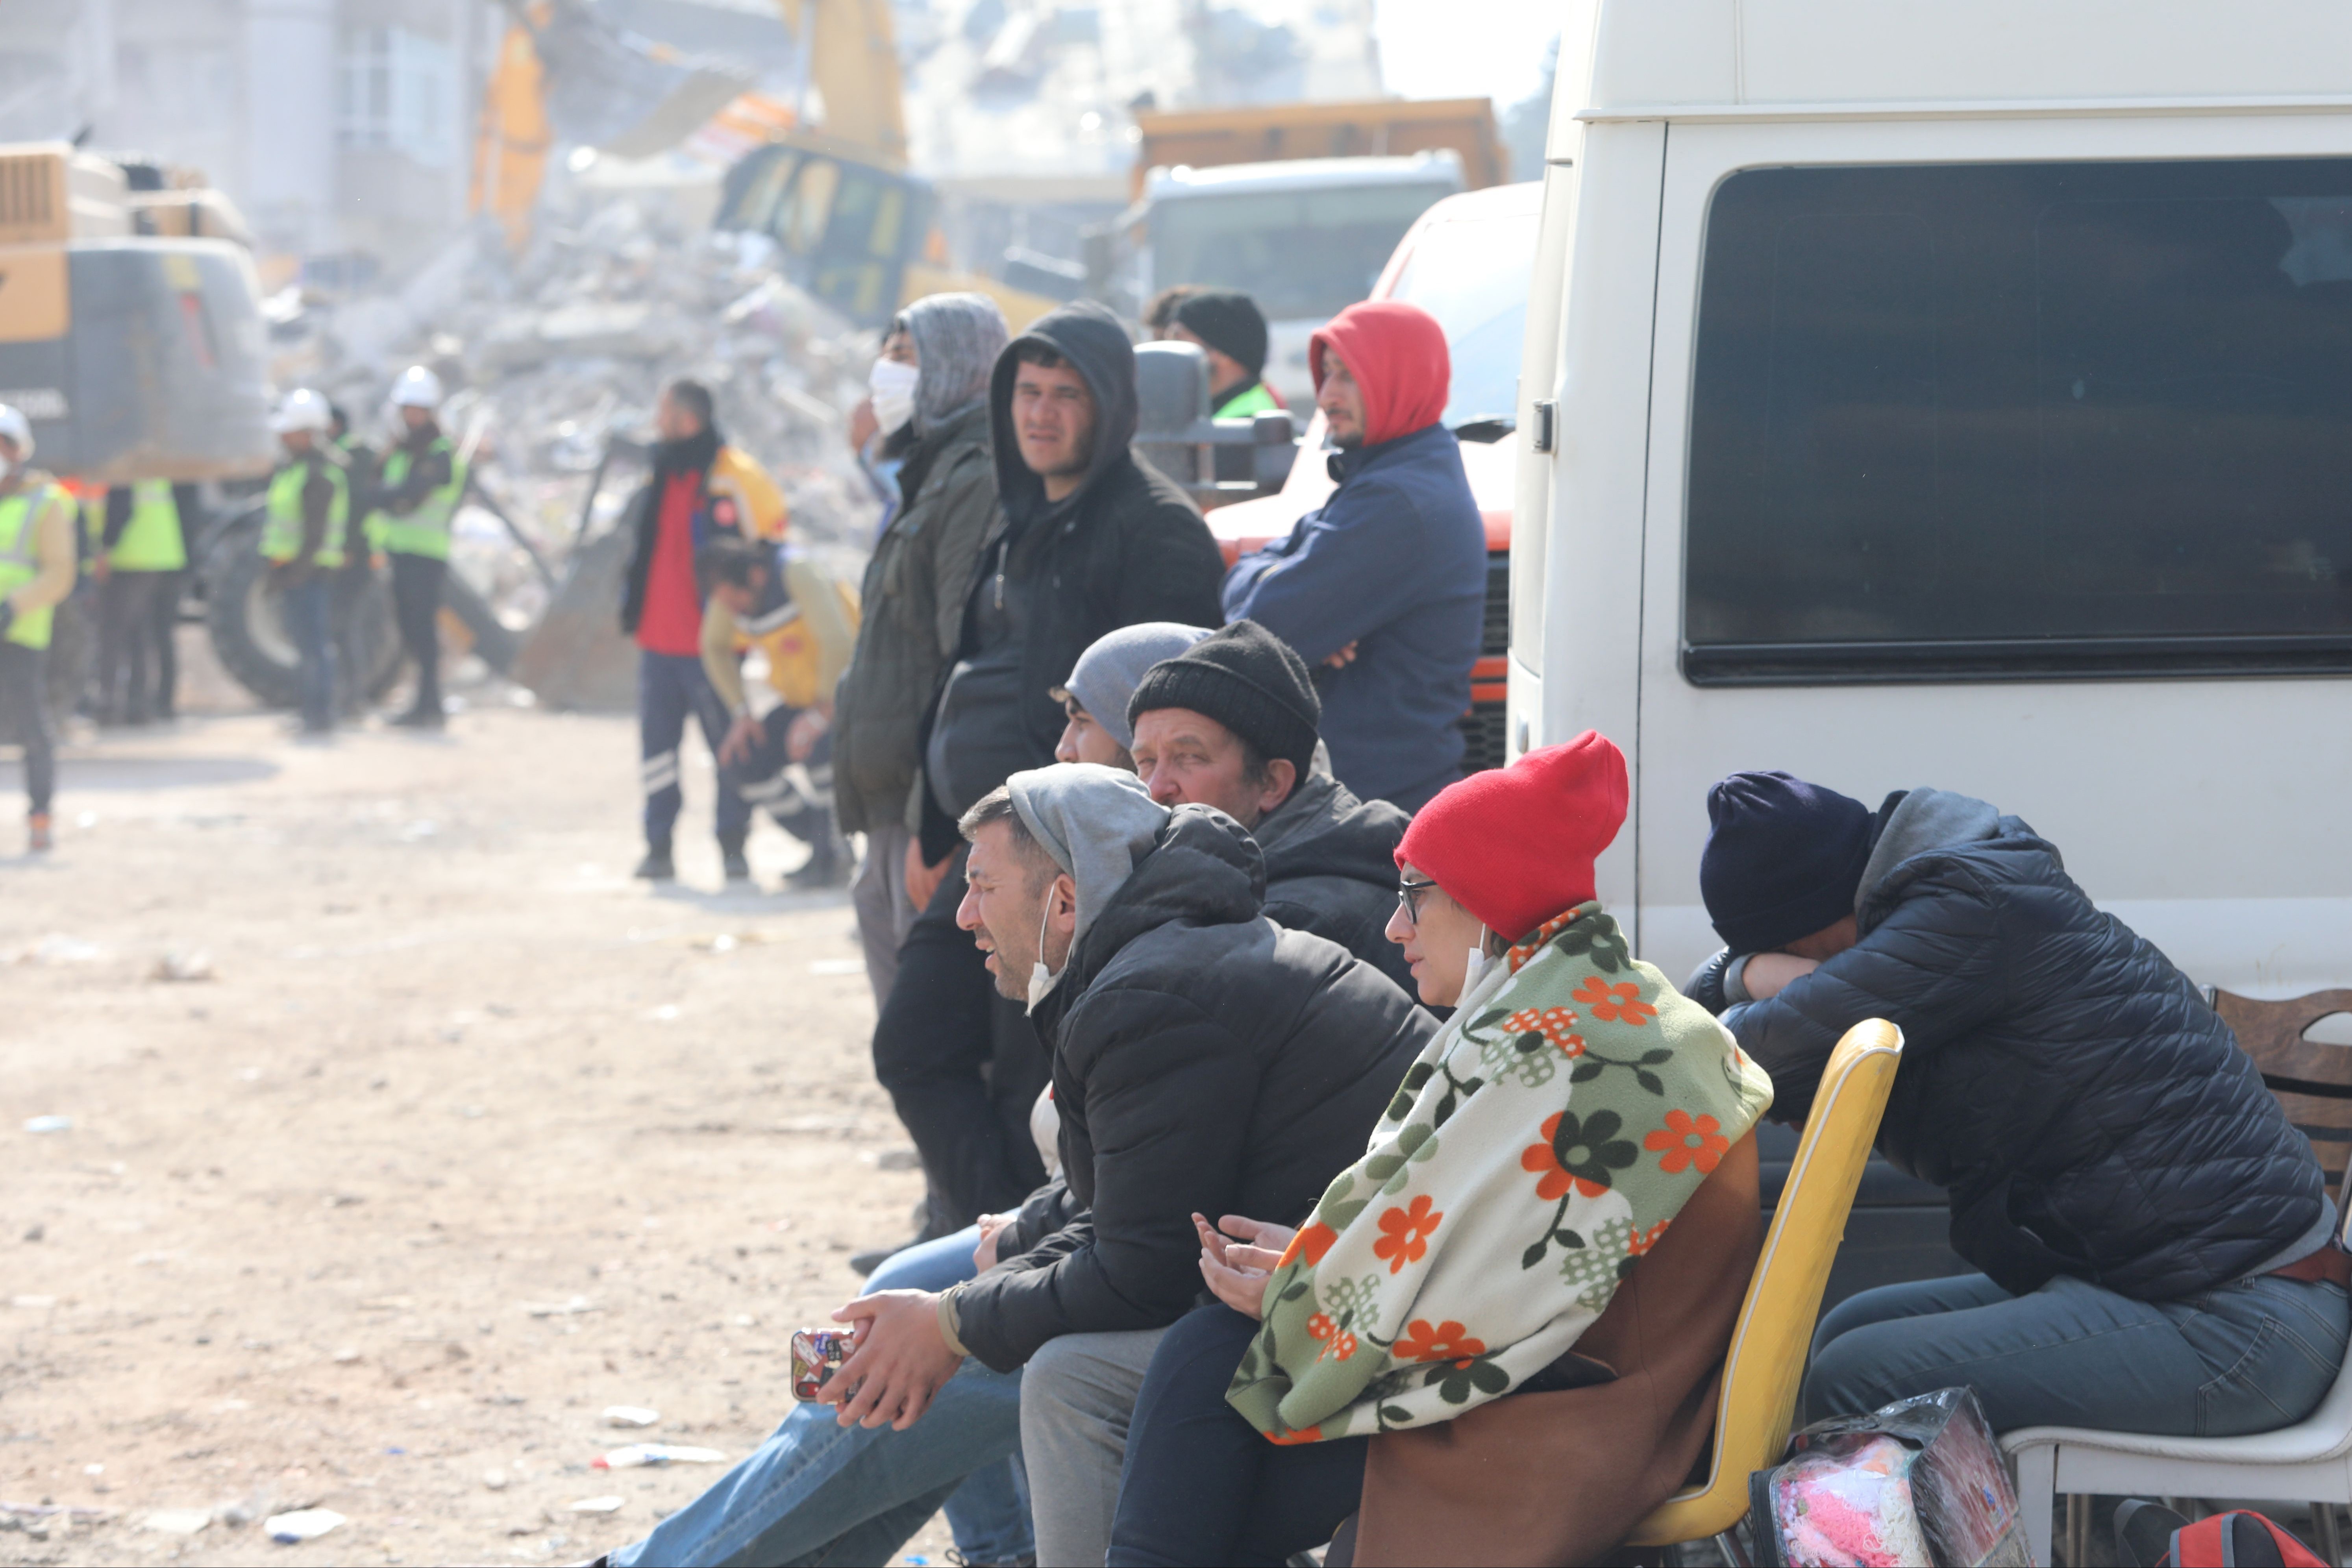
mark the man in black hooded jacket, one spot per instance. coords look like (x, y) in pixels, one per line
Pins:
(2158, 1251)
(1090, 538)
(1205, 1060)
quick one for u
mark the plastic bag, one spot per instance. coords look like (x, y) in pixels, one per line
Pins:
(1919, 1481)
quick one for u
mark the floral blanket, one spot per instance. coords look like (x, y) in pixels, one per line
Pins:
(1539, 1147)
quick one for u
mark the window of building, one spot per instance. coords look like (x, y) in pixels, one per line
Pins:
(2020, 421)
(398, 93)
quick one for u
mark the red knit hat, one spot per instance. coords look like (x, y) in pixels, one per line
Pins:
(1515, 845)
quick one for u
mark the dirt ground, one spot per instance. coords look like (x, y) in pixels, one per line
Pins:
(457, 1137)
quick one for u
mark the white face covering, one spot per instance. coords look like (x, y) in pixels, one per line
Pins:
(1042, 980)
(6, 468)
(1475, 969)
(892, 386)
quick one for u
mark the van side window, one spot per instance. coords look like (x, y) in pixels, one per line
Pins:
(2002, 422)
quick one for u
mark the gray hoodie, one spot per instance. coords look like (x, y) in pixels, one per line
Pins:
(1095, 822)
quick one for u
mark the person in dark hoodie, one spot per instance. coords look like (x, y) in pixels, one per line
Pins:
(2158, 1250)
(1087, 538)
(1384, 585)
(1231, 723)
(1204, 1058)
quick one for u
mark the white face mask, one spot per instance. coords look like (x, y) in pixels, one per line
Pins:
(1042, 980)
(1475, 969)
(892, 386)
(6, 468)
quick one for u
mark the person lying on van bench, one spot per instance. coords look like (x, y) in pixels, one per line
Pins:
(1204, 1059)
(1560, 1207)
(1384, 585)
(2159, 1252)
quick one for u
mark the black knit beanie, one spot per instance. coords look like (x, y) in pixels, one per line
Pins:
(1228, 321)
(1783, 859)
(1248, 679)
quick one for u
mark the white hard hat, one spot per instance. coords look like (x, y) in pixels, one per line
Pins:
(303, 410)
(416, 387)
(19, 429)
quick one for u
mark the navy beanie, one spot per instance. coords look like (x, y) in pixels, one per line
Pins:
(1783, 859)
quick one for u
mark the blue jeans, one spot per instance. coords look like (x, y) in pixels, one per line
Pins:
(818, 1493)
(308, 604)
(671, 688)
(2250, 1356)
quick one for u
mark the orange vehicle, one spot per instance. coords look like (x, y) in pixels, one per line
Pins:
(1467, 261)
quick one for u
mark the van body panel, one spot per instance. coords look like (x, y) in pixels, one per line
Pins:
(2207, 814)
(1719, 52)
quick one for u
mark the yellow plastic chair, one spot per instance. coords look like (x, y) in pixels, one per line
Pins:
(1758, 1400)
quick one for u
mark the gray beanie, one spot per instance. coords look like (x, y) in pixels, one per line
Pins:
(1107, 673)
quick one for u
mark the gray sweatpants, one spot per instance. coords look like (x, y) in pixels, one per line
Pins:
(1077, 1395)
(884, 910)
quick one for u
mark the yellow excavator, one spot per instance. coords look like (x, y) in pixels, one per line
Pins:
(831, 188)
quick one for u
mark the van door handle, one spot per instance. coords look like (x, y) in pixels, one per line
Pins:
(1544, 434)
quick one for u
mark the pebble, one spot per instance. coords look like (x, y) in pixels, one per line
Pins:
(495, 1480)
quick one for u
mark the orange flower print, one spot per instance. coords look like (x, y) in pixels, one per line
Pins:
(1614, 1003)
(1591, 1175)
(1557, 1025)
(1406, 1233)
(1304, 1434)
(1446, 1341)
(1341, 1346)
(1310, 1243)
(1684, 1142)
(1641, 1241)
(1320, 1326)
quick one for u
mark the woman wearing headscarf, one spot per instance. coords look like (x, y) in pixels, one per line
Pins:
(931, 398)
(1497, 1337)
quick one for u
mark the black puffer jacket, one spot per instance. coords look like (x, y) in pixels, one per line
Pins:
(2088, 1112)
(1205, 1059)
(1330, 868)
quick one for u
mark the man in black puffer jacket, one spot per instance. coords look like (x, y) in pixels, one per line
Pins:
(2159, 1252)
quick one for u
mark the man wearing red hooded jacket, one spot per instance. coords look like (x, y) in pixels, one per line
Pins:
(1383, 589)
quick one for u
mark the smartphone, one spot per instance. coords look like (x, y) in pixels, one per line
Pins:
(818, 1354)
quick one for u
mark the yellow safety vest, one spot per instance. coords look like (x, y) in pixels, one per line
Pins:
(425, 531)
(281, 525)
(153, 541)
(19, 538)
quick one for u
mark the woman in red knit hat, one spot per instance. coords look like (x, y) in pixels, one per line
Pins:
(1495, 1339)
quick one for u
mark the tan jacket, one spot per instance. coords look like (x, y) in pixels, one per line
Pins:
(53, 546)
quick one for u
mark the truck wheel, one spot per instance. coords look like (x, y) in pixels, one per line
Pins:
(243, 617)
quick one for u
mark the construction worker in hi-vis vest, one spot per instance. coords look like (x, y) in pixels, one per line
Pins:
(38, 567)
(416, 495)
(302, 538)
(138, 555)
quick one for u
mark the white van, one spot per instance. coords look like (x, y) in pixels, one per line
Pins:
(1958, 395)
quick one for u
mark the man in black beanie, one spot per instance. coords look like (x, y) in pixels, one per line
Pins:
(2158, 1250)
(1230, 328)
(1231, 723)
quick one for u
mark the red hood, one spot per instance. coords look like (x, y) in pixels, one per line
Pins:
(1397, 353)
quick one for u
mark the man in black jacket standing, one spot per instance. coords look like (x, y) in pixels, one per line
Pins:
(1090, 540)
(2159, 1252)
(1205, 1059)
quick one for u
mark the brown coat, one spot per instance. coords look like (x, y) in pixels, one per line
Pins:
(1562, 1478)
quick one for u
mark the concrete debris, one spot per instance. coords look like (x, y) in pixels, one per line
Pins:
(303, 1524)
(183, 968)
(630, 1416)
(176, 1520)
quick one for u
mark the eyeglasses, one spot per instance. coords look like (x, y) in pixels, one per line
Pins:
(1408, 897)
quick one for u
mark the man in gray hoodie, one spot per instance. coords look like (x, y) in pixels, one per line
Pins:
(1204, 1061)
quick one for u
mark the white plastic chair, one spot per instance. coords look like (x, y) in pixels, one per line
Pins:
(2308, 1462)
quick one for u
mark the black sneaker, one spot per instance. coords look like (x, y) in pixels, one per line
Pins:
(739, 866)
(656, 866)
(421, 718)
(866, 1262)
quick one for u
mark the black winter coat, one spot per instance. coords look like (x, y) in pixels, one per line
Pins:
(1330, 868)
(2088, 1112)
(1128, 546)
(1205, 1059)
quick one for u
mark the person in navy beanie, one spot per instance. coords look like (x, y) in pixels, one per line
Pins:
(2157, 1248)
